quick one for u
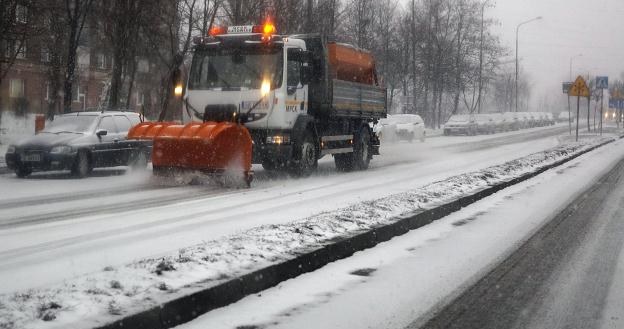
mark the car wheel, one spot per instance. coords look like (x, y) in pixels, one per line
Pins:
(22, 171)
(82, 165)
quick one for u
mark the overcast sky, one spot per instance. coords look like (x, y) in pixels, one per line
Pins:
(594, 28)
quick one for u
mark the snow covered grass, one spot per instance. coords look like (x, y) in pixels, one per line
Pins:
(114, 292)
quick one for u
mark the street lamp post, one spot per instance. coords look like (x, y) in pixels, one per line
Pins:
(572, 59)
(517, 31)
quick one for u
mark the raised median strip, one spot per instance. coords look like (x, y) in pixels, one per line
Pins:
(165, 292)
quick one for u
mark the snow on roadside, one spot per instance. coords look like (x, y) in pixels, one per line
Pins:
(115, 292)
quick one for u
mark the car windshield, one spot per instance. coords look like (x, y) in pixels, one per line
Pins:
(236, 69)
(70, 124)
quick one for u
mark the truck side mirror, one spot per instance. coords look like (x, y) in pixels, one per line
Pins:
(306, 74)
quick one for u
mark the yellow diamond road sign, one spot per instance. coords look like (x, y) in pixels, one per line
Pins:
(579, 88)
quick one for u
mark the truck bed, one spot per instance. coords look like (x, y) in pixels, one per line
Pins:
(354, 99)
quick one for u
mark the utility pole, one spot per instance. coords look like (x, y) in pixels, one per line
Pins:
(517, 32)
(481, 57)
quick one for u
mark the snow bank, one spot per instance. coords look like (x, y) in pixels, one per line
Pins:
(109, 295)
(13, 127)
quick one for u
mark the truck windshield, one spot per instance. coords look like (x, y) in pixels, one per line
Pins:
(236, 69)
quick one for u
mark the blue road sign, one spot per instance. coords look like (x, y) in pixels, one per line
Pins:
(602, 82)
(616, 104)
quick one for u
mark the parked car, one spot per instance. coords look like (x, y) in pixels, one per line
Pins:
(401, 127)
(485, 123)
(551, 118)
(512, 121)
(461, 124)
(565, 116)
(80, 142)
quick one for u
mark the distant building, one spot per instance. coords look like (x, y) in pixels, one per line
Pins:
(26, 87)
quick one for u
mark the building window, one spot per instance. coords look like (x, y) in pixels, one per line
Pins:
(45, 55)
(48, 92)
(16, 88)
(16, 48)
(21, 14)
(20, 51)
(140, 98)
(76, 92)
(101, 61)
(143, 66)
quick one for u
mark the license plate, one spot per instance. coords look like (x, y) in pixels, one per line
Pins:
(240, 29)
(31, 157)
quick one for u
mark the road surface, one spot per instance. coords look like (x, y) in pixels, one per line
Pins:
(53, 228)
(569, 275)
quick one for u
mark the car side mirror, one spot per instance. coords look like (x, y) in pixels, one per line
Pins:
(101, 132)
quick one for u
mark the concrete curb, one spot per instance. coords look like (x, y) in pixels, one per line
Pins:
(187, 308)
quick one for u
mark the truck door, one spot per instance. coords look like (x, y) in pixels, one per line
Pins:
(296, 99)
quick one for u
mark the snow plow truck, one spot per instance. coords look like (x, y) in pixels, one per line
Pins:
(254, 96)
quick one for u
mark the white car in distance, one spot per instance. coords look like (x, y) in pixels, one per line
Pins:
(399, 127)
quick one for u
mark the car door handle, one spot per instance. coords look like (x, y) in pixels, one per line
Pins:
(116, 140)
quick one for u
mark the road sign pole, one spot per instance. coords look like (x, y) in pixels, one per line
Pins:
(588, 108)
(595, 110)
(601, 107)
(578, 108)
(569, 115)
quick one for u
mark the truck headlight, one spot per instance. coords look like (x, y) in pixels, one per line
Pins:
(11, 149)
(278, 139)
(61, 149)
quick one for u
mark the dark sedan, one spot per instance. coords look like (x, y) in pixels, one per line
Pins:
(80, 142)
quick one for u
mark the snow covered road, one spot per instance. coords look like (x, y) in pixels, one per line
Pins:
(403, 282)
(53, 228)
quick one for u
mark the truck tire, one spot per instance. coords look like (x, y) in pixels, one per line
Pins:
(361, 150)
(305, 161)
(361, 156)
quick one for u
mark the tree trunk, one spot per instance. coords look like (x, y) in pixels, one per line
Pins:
(71, 70)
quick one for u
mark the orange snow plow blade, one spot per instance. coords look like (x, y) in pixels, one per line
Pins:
(210, 147)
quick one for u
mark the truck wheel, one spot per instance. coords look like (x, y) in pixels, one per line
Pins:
(81, 166)
(361, 153)
(306, 160)
(22, 171)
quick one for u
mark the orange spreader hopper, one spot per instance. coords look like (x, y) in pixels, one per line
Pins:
(209, 147)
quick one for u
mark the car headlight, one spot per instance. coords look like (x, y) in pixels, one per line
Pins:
(11, 149)
(61, 149)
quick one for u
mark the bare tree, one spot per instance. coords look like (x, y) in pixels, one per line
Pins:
(170, 42)
(76, 15)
